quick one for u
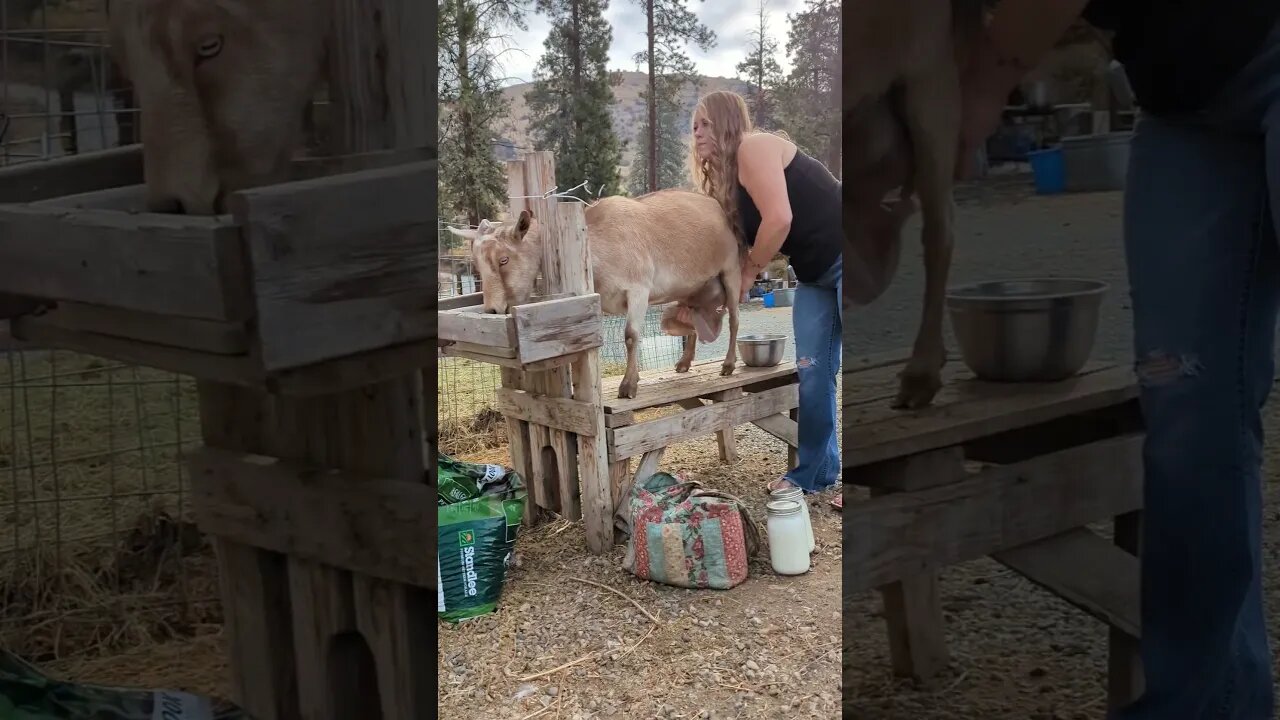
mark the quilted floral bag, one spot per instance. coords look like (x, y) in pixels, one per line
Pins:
(683, 535)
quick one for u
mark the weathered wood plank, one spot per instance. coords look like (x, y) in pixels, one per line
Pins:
(44, 331)
(1085, 570)
(128, 198)
(561, 413)
(341, 264)
(378, 527)
(635, 439)
(703, 378)
(913, 472)
(353, 371)
(70, 175)
(457, 302)
(966, 409)
(902, 534)
(913, 614)
(477, 328)
(782, 427)
(218, 338)
(504, 361)
(178, 265)
(558, 327)
(1125, 677)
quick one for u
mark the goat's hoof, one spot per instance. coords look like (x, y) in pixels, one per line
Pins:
(917, 388)
(727, 369)
(628, 388)
(682, 367)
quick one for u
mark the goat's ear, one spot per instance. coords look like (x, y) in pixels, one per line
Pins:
(522, 225)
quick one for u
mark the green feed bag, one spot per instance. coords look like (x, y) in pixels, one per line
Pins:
(461, 481)
(475, 540)
(28, 694)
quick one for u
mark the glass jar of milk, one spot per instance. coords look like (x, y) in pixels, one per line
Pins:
(788, 537)
(795, 493)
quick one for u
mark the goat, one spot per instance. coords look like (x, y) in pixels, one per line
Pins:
(901, 96)
(224, 87)
(662, 247)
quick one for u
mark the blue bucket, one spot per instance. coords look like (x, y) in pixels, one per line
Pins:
(1049, 170)
(768, 299)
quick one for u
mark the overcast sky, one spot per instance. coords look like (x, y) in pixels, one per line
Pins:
(731, 20)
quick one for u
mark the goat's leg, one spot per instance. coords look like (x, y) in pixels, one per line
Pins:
(686, 357)
(932, 103)
(637, 306)
(732, 282)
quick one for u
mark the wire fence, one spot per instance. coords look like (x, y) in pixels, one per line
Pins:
(467, 390)
(99, 557)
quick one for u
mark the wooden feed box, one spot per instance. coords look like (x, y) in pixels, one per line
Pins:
(305, 287)
(541, 334)
(306, 315)
(1013, 471)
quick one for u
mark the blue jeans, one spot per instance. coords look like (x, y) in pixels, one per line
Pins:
(818, 323)
(1204, 271)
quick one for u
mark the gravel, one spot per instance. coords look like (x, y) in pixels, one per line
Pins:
(1017, 652)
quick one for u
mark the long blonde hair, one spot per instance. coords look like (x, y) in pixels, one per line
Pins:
(717, 176)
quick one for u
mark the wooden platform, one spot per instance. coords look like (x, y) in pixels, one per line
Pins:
(1011, 471)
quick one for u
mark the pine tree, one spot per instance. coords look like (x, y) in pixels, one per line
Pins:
(572, 97)
(761, 71)
(810, 111)
(673, 124)
(472, 181)
(671, 26)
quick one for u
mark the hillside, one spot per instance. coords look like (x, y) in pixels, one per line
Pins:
(628, 110)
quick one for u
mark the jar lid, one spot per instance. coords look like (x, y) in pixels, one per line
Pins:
(782, 507)
(782, 493)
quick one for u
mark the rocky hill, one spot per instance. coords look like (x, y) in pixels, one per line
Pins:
(629, 111)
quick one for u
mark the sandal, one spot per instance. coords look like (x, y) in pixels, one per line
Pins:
(777, 485)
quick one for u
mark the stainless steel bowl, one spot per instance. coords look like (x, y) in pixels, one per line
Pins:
(1032, 330)
(762, 350)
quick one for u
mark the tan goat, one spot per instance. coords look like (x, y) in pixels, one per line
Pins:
(223, 86)
(901, 96)
(658, 248)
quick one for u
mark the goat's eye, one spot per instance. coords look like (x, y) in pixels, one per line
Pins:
(504, 261)
(209, 47)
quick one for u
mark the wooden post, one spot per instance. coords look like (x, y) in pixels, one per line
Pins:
(308, 639)
(568, 473)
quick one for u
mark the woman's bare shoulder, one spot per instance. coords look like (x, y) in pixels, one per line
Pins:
(761, 145)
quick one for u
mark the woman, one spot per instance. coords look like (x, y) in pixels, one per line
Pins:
(1200, 208)
(780, 200)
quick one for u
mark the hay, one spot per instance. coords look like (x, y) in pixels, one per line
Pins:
(557, 644)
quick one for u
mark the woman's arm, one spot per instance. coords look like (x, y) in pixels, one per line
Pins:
(760, 171)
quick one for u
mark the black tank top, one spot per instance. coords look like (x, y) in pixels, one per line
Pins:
(814, 243)
(1179, 54)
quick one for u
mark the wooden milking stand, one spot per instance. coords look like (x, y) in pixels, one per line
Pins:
(1011, 471)
(307, 316)
(569, 434)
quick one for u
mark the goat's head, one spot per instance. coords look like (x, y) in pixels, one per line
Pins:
(223, 87)
(507, 258)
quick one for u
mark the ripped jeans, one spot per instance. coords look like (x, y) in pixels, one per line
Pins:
(818, 323)
(1204, 272)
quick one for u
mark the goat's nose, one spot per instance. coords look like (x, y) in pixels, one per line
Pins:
(166, 204)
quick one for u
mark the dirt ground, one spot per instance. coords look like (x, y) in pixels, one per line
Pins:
(767, 648)
(1017, 652)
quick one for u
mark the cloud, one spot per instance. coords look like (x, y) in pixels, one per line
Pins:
(731, 21)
